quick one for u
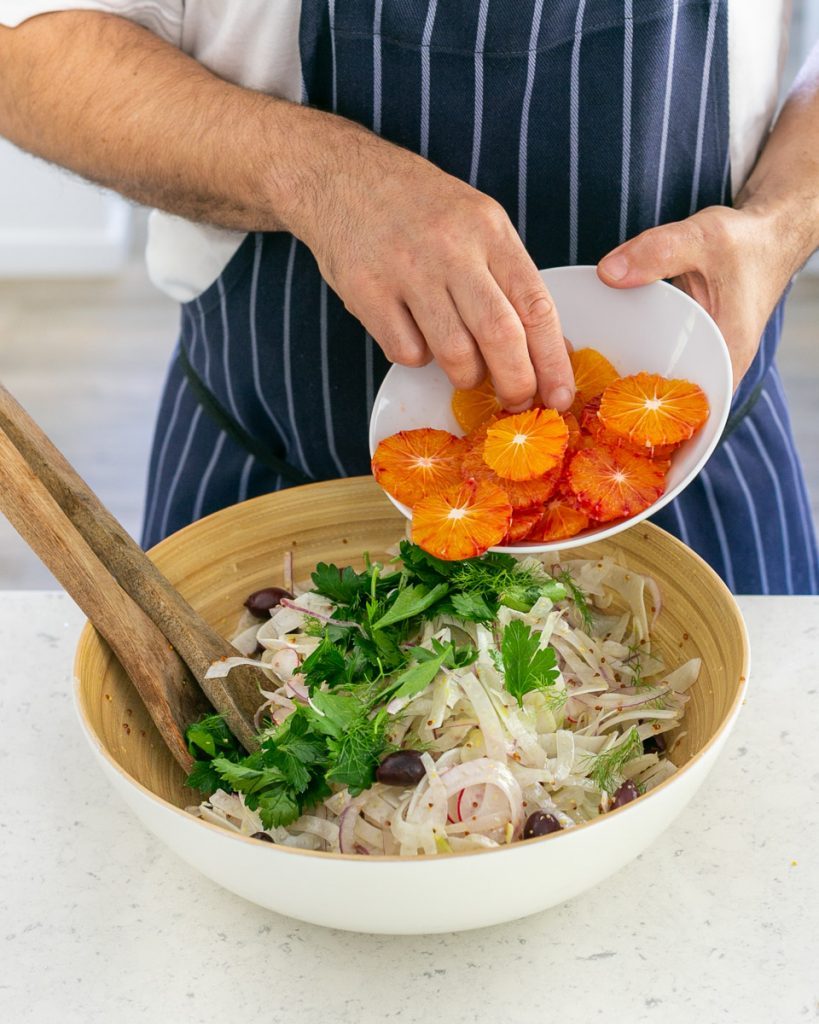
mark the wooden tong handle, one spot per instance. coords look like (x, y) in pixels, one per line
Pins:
(170, 695)
(195, 641)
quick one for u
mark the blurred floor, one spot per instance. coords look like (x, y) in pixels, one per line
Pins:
(87, 360)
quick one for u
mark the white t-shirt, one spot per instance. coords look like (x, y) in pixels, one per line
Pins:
(256, 43)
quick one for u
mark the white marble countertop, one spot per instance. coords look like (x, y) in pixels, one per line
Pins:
(717, 921)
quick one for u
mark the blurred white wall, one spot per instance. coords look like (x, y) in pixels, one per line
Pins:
(54, 225)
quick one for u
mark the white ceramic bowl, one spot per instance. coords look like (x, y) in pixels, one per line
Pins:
(657, 328)
(217, 561)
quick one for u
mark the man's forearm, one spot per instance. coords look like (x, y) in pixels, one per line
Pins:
(784, 184)
(428, 264)
(116, 104)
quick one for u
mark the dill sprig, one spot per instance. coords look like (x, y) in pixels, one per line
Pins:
(581, 602)
(606, 768)
(634, 661)
(556, 700)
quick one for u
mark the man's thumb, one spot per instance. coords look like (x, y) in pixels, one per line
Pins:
(658, 253)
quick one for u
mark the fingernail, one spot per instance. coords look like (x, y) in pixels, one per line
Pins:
(615, 267)
(561, 398)
(522, 407)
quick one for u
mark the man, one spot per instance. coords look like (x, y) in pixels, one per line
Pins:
(346, 184)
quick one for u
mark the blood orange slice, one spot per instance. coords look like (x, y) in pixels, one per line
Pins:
(415, 463)
(462, 522)
(593, 426)
(523, 520)
(650, 410)
(589, 422)
(610, 483)
(572, 425)
(527, 444)
(476, 437)
(559, 521)
(473, 407)
(592, 373)
(523, 494)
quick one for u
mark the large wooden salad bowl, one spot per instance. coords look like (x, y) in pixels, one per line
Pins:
(216, 562)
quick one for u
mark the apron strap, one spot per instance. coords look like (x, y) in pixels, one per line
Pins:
(739, 414)
(235, 430)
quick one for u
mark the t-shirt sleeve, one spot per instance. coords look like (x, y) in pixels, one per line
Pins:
(163, 18)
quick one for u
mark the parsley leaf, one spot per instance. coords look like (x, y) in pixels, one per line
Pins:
(526, 666)
(277, 806)
(343, 586)
(333, 714)
(422, 566)
(203, 776)
(417, 677)
(210, 735)
(454, 657)
(247, 776)
(327, 664)
(472, 608)
(411, 601)
(208, 738)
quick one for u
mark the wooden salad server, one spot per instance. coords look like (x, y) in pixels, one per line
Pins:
(162, 643)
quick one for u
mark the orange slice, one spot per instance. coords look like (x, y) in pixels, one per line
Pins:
(563, 492)
(610, 483)
(415, 463)
(474, 407)
(589, 423)
(523, 520)
(523, 494)
(592, 373)
(558, 521)
(476, 437)
(462, 522)
(575, 440)
(526, 445)
(593, 427)
(650, 410)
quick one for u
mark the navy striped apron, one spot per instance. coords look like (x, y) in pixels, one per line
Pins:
(589, 121)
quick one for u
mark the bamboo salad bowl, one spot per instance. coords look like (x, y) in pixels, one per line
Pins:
(218, 561)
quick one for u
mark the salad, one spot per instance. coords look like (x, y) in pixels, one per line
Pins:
(429, 707)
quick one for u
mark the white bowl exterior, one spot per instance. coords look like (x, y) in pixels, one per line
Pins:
(426, 895)
(656, 328)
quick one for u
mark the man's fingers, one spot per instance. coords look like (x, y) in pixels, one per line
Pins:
(449, 339)
(658, 253)
(535, 308)
(500, 336)
(395, 332)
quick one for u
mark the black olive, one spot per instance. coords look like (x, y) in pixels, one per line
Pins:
(402, 768)
(655, 744)
(265, 838)
(261, 601)
(539, 823)
(624, 794)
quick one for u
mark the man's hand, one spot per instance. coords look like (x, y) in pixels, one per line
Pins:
(432, 268)
(735, 263)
